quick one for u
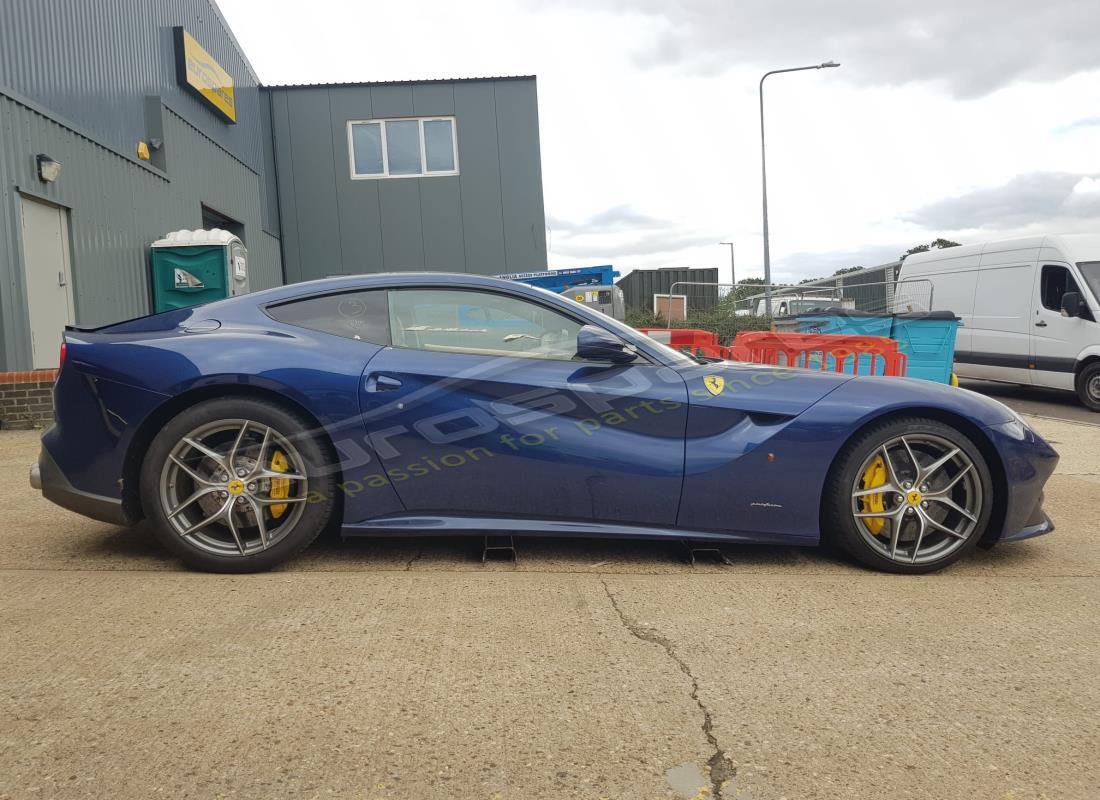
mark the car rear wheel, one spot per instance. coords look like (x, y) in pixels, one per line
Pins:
(236, 485)
(909, 496)
(1088, 386)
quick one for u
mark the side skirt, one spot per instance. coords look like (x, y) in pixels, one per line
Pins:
(443, 525)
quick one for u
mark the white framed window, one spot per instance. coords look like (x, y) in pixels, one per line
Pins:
(402, 147)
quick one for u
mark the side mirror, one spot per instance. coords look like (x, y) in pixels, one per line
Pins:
(1071, 304)
(596, 344)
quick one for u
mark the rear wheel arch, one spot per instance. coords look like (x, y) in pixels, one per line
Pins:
(152, 424)
(964, 426)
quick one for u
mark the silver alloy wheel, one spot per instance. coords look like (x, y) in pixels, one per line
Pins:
(216, 487)
(929, 504)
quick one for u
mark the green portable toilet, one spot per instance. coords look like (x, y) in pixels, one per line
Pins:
(194, 267)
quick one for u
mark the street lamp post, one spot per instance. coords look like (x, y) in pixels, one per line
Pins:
(733, 273)
(764, 179)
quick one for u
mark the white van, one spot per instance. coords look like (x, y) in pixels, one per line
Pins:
(1029, 309)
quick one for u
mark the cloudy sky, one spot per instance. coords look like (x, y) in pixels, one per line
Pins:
(970, 119)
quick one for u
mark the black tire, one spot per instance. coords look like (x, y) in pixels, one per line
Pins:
(840, 527)
(1088, 386)
(319, 486)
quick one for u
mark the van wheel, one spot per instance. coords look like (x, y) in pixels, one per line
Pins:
(1088, 386)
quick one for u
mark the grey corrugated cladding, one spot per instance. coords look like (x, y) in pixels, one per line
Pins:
(488, 219)
(74, 78)
(640, 285)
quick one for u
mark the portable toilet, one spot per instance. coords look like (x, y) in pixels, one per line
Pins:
(194, 267)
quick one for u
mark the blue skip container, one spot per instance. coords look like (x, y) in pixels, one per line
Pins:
(928, 341)
(926, 338)
(845, 322)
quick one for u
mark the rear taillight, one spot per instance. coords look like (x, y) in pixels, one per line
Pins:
(61, 356)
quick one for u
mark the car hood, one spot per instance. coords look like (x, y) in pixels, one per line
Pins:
(759, 388)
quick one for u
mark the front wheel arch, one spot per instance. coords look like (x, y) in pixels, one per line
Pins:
(151, 425)
(963, 425)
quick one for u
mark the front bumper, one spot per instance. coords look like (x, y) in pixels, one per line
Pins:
(47, 477)
(1037, 524)
(1028, 462)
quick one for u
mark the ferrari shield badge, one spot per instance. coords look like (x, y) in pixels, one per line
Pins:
(714, 384)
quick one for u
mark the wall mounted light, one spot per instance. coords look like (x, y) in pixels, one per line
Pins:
(48, 169)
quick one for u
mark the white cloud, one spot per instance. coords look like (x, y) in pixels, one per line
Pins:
(650, 126)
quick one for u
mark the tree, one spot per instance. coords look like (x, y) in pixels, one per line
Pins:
(935, 244)
(746, 287)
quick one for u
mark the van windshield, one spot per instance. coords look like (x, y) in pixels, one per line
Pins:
(1090, 271)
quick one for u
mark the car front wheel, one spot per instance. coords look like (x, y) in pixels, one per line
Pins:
(236, 485)
(908, 496)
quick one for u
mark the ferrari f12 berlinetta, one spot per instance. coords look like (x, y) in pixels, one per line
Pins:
(399, 404)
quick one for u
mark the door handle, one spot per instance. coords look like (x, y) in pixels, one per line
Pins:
(382, 383)
(1041, 323)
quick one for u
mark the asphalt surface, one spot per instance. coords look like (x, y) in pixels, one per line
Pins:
(589, 669)
(1035, 400)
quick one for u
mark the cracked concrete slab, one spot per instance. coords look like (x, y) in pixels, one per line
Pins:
(400, 668)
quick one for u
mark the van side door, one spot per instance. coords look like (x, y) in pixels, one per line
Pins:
(1056, 339)
(1000, 327)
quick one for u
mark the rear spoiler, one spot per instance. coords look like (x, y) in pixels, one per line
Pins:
(164, 321)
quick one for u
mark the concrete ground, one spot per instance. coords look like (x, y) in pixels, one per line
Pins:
(1035, 400)
(591, 669)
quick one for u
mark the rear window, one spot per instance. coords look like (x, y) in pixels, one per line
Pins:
(353, 315)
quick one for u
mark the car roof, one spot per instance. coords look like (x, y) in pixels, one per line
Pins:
(341, 283)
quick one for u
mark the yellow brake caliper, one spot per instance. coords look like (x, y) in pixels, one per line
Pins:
(280, 487)
(874, 475)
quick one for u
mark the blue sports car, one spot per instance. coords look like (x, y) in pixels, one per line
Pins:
(440, 403)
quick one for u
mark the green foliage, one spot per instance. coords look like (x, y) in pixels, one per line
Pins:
(935, 244)
(717, 320)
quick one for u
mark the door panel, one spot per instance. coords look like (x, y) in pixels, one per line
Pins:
(1056, 340)
(1000, 327)
(48, 278)
(528, 437)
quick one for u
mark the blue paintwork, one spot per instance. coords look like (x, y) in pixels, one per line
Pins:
(447, 441)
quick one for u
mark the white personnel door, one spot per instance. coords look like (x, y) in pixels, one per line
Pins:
(48, 277)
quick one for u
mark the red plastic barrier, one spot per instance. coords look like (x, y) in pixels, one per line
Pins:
(863, 355)
(699, 342)
(683, 337)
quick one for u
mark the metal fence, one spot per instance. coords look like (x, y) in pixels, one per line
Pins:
(883, 297)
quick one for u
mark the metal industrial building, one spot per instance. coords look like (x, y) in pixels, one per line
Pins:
(481, 212)
(700, 285)
(115, 128)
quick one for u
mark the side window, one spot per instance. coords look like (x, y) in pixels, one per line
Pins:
(353, 315)
(1053, 283)
(484, 323)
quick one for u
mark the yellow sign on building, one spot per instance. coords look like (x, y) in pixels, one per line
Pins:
(197, 71)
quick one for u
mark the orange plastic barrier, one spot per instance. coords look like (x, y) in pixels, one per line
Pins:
(859, 355)
(699, 342)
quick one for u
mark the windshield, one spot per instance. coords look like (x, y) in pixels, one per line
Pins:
(1090, 271)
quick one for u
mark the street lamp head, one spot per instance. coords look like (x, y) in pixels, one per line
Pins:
(829, 65)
